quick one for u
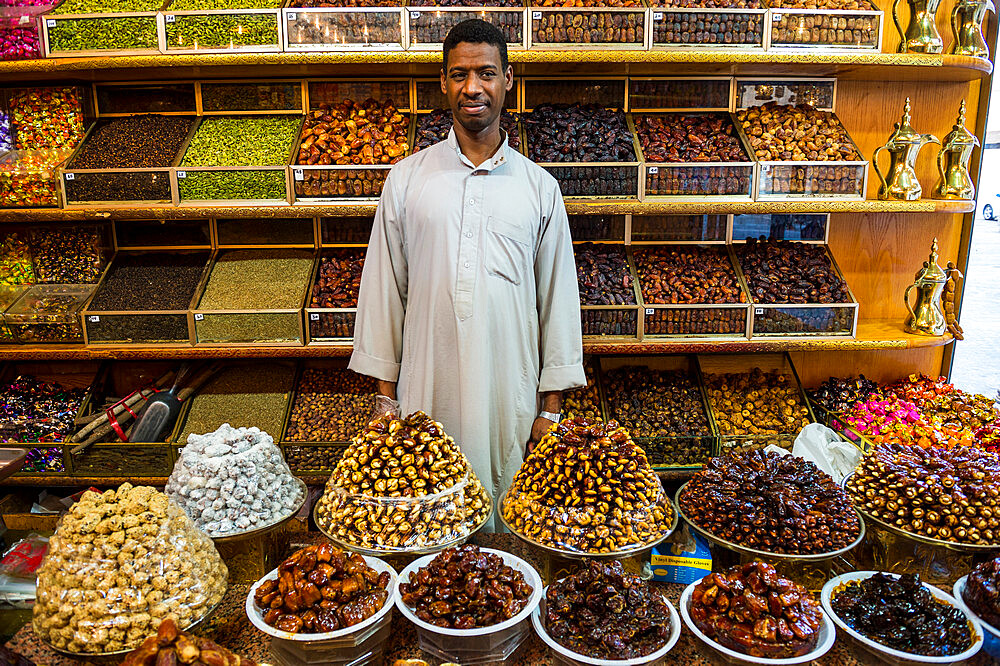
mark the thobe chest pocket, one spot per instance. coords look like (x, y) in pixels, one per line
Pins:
(508, 250)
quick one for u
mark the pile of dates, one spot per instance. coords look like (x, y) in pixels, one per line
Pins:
(771, 502)
(434, 127)
(464, 588)
(790, 272)
(795, 133)
(840, 394)
(603, 275)
(578, 133)
(371, 132)
(749, 609)
(587, 488)
(321, 589)
(169, 646)
(952, 494)
(709, 137)
(687, 274)
(902, 614)
(982, 591)
(606, 613)
(759, 404)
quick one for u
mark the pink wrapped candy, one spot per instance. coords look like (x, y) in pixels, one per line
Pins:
(19, 39)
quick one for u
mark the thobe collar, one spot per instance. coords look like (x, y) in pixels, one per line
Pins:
(498, 158)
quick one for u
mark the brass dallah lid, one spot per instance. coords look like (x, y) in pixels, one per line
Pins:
(904, 132)
(959, 136)
(931, 272)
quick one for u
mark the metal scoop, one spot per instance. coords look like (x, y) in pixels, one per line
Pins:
(160, 413)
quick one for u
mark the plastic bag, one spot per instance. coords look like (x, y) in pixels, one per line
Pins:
(119, 563)
(233, 480)
(824, 447)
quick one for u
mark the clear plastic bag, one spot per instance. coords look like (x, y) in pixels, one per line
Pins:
(119, 563)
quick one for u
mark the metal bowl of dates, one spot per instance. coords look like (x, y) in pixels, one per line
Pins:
(763, 554)
(825, 640)
(884, 653)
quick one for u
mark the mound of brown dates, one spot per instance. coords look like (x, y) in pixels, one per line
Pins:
(687, 274)
(795, 133)
(603, 275)
(578, 133)
(789, 272)
(371, 132)
(708, 137)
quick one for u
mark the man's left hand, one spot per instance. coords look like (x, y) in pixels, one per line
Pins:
(538, 430)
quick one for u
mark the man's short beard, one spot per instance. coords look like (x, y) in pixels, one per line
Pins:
(475, 125)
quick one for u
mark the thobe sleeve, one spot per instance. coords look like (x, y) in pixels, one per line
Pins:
(378, 327)
(558, 301)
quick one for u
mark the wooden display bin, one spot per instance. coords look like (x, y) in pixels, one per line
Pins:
(141, 25)
(707, 229)
(614, 323)
(344, 28)
(828, 30)
(238, 25)
(618, 28)
(679, 28)
(429, 25)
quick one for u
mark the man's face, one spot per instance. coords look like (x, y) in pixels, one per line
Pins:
(475, 85)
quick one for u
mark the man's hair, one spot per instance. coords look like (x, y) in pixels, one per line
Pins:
(476, 31)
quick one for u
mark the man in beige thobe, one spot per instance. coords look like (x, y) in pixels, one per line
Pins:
(469, 307)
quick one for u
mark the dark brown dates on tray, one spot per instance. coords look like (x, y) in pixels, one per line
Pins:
(689, 138)
(603, 275)
(434, 127)
(604, 612)
(981, 592)
(788, 272)
(464, 588)
(578, 133)
(903, 615)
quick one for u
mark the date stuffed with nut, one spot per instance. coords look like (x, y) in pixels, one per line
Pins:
(749, 609)
(464, 588)
(587, 488)
(321, 589)
(169, 647)
(371, 132)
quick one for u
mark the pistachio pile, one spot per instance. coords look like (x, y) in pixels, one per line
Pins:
(402, 484)
(588, 488)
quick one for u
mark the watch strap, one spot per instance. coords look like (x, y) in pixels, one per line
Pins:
(551, 416)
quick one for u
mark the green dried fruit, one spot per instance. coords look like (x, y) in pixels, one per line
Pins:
(243, 141)
(190, 5)
(107, 6)
(232, 185)
(219, 31)
(103, 34)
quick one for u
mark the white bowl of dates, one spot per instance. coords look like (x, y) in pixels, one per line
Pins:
(769, 505)
(627, 622)
(468, 592)
(321, 593)
(750, 615)
(900, 619)
(991, 634)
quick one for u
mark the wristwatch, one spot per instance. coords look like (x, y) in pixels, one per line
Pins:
(551, 416)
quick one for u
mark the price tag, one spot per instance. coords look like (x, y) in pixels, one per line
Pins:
(291, 16)
(414, 15)
(766, 168)
(93, 319)
(653, 170)
(51, 23)
(24, 20)
(313, 316)
(775, 18)
(298, 175)
(649, 311)
(657, 16)
(169, 18)
(536, 15)
(759, 311)
(199, 317)
(182, 174)
(71, 176)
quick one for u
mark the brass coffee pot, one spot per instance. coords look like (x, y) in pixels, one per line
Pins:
(927, 318)
(953, 162)
(967, 27)
(903, 146)
(921, 35)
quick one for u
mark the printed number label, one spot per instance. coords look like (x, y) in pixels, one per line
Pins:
(199, 317)
(653, 170)
(414, 15)
(93, 319)
(313, 316)
(71, 176)
(51, 23)
(182, 174)
(169, 18)
(775, 18)
(24, 20)
(649, 311)
(657, 16)
(291, 16)
(759, 311)
(536, 15)
(298, 174)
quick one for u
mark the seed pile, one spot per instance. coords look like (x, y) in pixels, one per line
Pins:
(150, 281)
(254, 279)
(242, 141)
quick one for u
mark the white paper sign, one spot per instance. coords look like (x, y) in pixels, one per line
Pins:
(169, 18)
(297, 173)
(182, 174)
(199, 317)
(313, 316)
(93, 319)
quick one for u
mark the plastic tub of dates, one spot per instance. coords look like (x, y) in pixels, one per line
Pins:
(684, 24)
(101, 28)
(590, 24)
(824, 164)
(691, 291)
(354, 632)
(476, 633)
(609, 300)
(49, 313)
(830, 25)
(589, 148)
(810, 298)
(344, 25)
(321, 169)
(430, 20)
(221, 26)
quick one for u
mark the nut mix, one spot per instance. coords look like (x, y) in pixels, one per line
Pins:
(771, 502)
(951, 494)
(402, 484)
(321, 589)
(603, 275)
(463, 588)
(664, 406)
(604, 612)
(578, 133)
(758, 404)
(434, 127)
(749, 609)
(795, 133)
(331, 405)
(587, 488)
(172, 646)
(902, 614)
(120, 563)
(790, 272)
(981, 593)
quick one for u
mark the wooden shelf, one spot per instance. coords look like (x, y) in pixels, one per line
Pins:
(872, 334)
(633, 207)
(867, 66)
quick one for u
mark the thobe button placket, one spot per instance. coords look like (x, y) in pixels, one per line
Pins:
(468, 248)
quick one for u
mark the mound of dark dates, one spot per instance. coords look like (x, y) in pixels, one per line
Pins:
(465, 588)
(578, 133)
(603, 275)
(982, 591)
(734, 28)
(434, 127)
(789, 272)
(706, 137)
(339, 279)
